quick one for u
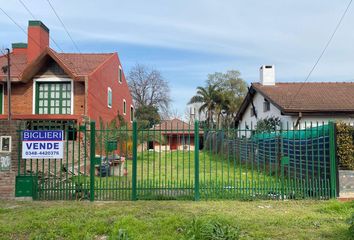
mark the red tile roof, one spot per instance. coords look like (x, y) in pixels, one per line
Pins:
(83, 64)
(174, 124)
(310, 96)
(18, 63)
(314, 98)
(79, 64)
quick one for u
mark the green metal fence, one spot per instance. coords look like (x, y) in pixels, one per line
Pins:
(183, 163)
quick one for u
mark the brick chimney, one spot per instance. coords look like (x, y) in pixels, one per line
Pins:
(19, 48)
(38, 39)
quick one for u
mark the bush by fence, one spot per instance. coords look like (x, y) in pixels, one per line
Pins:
(345, 146)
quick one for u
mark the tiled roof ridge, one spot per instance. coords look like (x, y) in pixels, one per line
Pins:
(67, 53)
(281, 83)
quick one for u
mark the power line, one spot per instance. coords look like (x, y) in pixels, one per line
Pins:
(62, 23)
(23, 30)
(323, 51)
(24, 5)
(29, 11)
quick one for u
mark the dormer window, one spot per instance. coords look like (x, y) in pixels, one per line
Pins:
(266, 105)
(120, 74)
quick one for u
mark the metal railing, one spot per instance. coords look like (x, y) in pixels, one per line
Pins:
(188, 163)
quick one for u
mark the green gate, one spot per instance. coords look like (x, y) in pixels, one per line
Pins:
(56, 179)
(182, 162)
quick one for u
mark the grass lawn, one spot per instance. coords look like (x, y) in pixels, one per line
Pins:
(168, 171)
(171, 175)
(174, 219)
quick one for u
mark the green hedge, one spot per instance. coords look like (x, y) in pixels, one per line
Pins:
(345, 146)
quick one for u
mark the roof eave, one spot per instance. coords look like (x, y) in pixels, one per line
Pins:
(318, 112)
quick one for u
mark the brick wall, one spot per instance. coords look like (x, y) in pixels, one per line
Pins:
(22, 98)
(7, 178)
(99, 81)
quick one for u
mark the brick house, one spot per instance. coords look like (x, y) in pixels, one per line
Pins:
(48, 85)
(177, 134)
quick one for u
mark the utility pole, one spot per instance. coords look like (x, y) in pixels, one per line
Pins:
(8, 85)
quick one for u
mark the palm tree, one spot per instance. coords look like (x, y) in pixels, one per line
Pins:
(210, 97)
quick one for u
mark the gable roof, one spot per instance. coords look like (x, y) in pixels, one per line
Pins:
(174, 124)
(74, 64)
(309, 98)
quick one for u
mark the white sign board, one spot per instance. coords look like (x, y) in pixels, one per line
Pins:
(42, 144)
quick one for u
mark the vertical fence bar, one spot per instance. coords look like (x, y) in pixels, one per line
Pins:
(332, 155)
(134, 165)
(196, 161)
(92, 160)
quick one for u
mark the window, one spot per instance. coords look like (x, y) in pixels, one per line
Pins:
(120, 74)
(266, 105)
(109, 97)
(131, 113)
(124, 107)
(1, 99)
(185, 140)
(253, 110)
(5, 144)
(53, 98)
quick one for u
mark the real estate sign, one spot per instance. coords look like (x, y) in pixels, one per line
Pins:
(42, 144)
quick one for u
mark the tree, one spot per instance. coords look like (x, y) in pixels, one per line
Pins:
(209, 96)
(229, 81)
(148, 87)
(222, 97)
(147, 116)
(233, 90)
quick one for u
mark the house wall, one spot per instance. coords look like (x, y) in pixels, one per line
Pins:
(22, 98)
(98, 82)
(258, 100)
(251, 121)
(174, 143)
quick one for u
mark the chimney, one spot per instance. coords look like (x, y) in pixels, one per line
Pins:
(267, 75)
(19, 48)
(38, 39)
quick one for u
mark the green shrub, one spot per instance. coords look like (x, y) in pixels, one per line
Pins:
(351, 226)
(345, 146)
(268, 124)
(211, 230)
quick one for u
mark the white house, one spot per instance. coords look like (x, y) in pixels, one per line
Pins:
(296, 103)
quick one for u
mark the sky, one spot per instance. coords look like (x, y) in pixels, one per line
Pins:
(187, 40)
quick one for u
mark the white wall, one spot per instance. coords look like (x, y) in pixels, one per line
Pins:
(194, 109)
(258, 100)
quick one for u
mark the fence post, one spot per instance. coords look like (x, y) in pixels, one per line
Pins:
(92, 159)
(134, 165)
(332, 156)
(196, 161)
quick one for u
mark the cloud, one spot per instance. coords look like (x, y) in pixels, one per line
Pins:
(186, 40)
